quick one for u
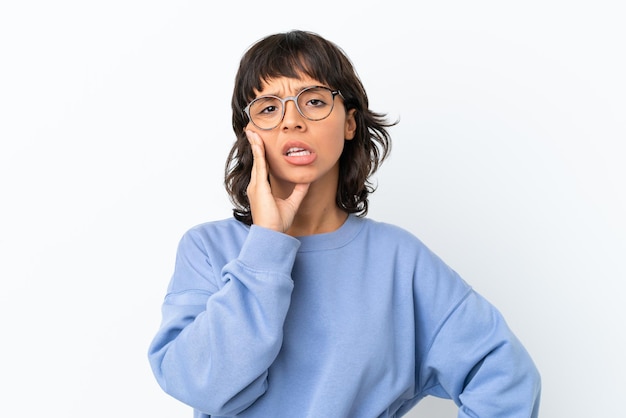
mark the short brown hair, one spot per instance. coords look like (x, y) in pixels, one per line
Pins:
(291, 54)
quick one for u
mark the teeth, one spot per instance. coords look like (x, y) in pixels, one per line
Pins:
(297, 152)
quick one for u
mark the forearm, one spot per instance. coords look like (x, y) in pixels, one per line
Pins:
(213, 351)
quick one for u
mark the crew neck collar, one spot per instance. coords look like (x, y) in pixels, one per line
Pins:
(335, 239)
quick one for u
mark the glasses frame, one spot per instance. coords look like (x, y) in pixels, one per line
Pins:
(294, 99)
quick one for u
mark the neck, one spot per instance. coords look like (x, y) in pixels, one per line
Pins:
(313, 219)
(318, 213)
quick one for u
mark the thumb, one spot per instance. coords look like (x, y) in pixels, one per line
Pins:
(298, 194)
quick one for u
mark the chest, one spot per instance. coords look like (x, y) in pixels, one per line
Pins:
(358, 307)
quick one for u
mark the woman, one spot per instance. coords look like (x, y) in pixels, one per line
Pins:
(299, 305)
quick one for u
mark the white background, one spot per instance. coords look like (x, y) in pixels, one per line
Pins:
(115, 124)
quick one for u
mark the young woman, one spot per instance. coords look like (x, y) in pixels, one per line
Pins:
(300, 306)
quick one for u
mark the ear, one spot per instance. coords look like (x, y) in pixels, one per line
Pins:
(350, 127)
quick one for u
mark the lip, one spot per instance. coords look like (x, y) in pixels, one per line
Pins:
(298, 153)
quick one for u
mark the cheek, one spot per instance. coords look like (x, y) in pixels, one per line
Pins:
(271, 157)
(336, 138)
(272, 154)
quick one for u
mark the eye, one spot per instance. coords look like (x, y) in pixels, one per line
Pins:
(315, 98)
(316, 102)
(268, 109)
(265, 106)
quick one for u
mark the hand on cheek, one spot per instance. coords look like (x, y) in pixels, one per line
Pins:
(267, 210)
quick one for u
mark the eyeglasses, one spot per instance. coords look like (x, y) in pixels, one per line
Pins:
(314, 103)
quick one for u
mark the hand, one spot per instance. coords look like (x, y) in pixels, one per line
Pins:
(267, 210)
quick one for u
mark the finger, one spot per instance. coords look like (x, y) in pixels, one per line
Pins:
(297, 195)
(255, 151)
(259, 164)
(253, 170)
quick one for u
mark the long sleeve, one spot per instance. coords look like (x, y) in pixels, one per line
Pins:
(361, 322)
(474, 358)
(222, 320)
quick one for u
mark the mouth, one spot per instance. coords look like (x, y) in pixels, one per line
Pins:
(297, 152)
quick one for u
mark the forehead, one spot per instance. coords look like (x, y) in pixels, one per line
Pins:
(283, 86)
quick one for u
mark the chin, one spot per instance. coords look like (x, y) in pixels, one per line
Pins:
(298, 180)
(309, 177)
(293, 178)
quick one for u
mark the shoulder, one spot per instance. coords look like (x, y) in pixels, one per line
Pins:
(390, 234)
(393, 241)
(220, 227)
(225, 232)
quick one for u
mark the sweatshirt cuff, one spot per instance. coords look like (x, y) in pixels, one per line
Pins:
(268, 250)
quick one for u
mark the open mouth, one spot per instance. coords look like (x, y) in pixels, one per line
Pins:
(297, 152)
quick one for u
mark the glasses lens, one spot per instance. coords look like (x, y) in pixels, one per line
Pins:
(315, 103)
(266, 112)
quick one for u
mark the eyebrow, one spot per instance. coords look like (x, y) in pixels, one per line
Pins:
(302, 87)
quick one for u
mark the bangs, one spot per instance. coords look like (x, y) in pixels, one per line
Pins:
(290, 57)
(290, 66)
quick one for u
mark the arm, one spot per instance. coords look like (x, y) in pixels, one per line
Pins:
(217, 342)
(477, 361)
(219, 335)
(468, 353)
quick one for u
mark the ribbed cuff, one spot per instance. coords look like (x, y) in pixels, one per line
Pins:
(269, 250)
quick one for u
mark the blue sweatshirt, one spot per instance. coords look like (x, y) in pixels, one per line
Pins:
(362, 322)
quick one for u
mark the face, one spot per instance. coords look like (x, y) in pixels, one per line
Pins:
(300, 150)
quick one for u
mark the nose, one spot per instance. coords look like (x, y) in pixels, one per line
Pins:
(292, 117)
